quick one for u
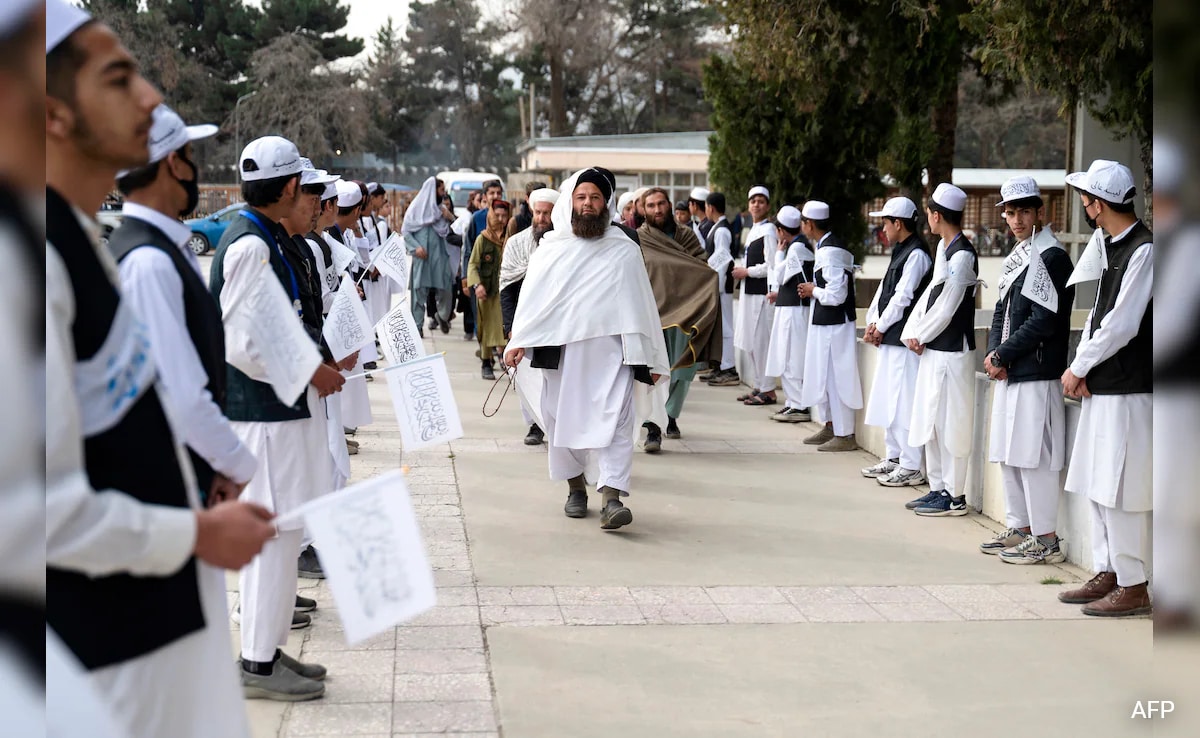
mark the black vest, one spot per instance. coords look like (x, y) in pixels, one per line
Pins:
(710, 247)
(962, 324)
(891, 280)
(833, 314)
(201, 314)
(308, 274)
(756, 255)
(788, 296)
(246, 399)
(110, 619)
(1131, 369)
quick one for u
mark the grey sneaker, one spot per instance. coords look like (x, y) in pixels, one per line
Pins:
(1006, 538)
(792, 415)
(282, 685)
(839, 443)
(820, 436)
(882, 469)
(1033, 551)
(901, 477)
(316, 672)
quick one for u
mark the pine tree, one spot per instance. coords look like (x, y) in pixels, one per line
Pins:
(319, 21)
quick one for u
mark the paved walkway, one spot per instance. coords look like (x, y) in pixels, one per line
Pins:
(763, 589)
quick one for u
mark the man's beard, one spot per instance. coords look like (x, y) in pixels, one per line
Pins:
(665, 223)
(589, 226)
(539, 231)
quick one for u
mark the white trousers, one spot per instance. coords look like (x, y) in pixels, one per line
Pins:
(1031, 496)
(946, 471)
(1120, 542)
(727, 354)
(837, 412)
(793, 386)
(891, 401)
(895, 440)
(268, 596)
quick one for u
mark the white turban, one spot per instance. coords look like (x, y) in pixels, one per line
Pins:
(545, 194)
(623, 201)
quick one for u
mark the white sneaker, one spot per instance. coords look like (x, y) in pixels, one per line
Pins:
(1006, 538)
(1033, 551)
(902, 477)
(882, 469)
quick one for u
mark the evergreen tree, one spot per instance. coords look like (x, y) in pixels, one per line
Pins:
(319, 21)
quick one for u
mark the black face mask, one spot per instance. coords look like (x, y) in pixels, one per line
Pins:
(191, 187)
(1090, 220)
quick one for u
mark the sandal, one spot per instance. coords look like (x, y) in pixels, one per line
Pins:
(761, 399)
(747, 396)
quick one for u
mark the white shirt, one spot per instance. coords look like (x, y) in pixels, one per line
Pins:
(931, 322)
(1122, 322)
(152, 286)
(836, 287)
(721, 256)
(770, 248)
(105, 532)
(916, 266)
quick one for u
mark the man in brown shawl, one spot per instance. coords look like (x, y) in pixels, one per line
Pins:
(685, 289)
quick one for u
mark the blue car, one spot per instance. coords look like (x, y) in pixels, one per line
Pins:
(207, 231)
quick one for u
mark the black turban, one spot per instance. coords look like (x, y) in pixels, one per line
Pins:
(600, 177)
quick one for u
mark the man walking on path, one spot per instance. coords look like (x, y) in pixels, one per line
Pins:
(483, 275)
(425, 230)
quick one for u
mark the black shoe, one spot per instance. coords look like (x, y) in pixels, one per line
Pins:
(615, 515)
(488, 372)
(576, 506)
(535, 436)
(371, 366)
(310, 566)
(305, 604)
(443, 324)
(672, 429)
(421, 331)
(301, 620)
(653, 442)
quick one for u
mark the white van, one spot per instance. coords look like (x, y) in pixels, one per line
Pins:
(462, 183)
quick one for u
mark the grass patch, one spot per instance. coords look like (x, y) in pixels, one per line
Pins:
(1052, 580)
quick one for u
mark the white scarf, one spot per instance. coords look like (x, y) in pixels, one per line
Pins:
(426, 211)
(1038, 286)
(1093, 262)
(797, 255)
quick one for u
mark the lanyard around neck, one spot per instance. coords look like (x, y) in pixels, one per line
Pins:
(270, 238)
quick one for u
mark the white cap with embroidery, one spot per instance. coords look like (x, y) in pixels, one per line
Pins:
(1108, 180)
(269, 157)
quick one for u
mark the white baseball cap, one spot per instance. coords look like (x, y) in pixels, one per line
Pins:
(815, 210)
(758, 190)
(310, 175)
(348, 194)
(269, 157)
(1108, 180)
(950, 197)
(331, 190)
(1019, 188)
(896, 207)
(168, 133)
(788, 217)
(698, 193)
(62, 19)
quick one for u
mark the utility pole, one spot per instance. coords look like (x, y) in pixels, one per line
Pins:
(237, 123)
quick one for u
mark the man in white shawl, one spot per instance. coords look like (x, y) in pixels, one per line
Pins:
(1112, 373)
(588, 317)
(941, 330)
(515, 262)
(831, 385)
(425, 229)
(1027, 353)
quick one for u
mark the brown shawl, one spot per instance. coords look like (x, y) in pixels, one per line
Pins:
(685, 288)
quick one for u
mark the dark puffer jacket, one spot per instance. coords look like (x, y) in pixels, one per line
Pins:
(1038, 339)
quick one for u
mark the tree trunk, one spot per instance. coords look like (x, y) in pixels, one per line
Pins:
(945, 121)
(558, 105)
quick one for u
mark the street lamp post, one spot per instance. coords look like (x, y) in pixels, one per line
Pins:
(237, 127)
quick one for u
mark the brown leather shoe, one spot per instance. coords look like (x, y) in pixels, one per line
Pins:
(1122, 602)
(1097, 587)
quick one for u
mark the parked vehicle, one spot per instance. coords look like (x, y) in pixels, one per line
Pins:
(460, 185)
(207, 231)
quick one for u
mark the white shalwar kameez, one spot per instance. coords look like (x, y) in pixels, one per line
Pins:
(831, 385)
(590, 402)
(187, 688)
(720, 261)
(789, 328)
(1029, 424)
(756, 314)
(335, 429)
(1112, 459)
(891, 402)
(294, 467)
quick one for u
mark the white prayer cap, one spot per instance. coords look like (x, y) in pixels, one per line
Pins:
(699, 193)
(371, 186)
(815, 210)
(624, 200)
(758, 190)
(310, 175)
(1108, 180)
(545, 194)
(1019, 188)
(62, 19)
(168, 133)
(950, 197)
(788, 217)
(331, 190)
(896, 207)
(348, 194)
(269, 157)
(15, 12)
